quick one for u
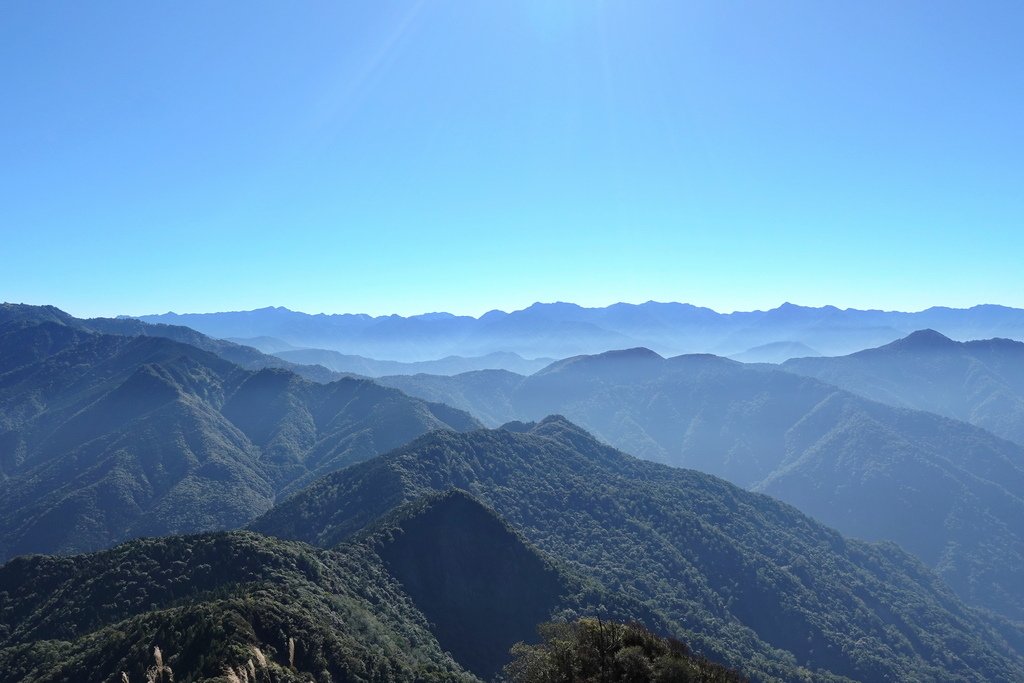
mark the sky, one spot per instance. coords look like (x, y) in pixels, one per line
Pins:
(404, 157)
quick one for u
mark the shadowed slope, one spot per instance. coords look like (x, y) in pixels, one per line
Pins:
(479, 583)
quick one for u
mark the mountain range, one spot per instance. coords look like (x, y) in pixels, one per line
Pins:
(439, 589)
(560, 330)
(450, 365)
(945, 490)
(744, 579)
(980, 382)
(107, 437)
(392, 538)
(244, 356)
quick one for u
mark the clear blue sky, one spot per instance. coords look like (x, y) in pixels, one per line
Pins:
(406, 157)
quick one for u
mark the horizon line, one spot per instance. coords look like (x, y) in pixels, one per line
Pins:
(783, 305)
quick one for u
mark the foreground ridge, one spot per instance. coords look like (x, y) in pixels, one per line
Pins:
(745, 579)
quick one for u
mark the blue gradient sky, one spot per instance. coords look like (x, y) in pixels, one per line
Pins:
(405, 157)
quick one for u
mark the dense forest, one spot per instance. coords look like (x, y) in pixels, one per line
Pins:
(480, 584)
(590, 649)
(437, 589)
(212, 603)
(744, 579)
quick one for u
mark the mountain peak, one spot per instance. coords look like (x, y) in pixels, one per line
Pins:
(925, 339)
(789, 309)
(518, 427)
(452, 502)
(627, 361)
(635, 352)
(548, 426)
(551, 307)
(554, 421)
(27, 313)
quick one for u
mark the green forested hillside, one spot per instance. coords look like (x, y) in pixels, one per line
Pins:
(434, 589)
(482, 586)
(285, 610)
(980, 382)
(608, 652)
(479, 586)
(949, 492)
(745, 579)
(106, 437)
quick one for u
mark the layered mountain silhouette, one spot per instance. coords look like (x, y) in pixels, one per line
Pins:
(945, 490)
(559, 330)
(775, 352)
(434, 559)
(981, 382)
(742, 577)
(264, 344)
(107, 437)
(452, 365)
(244, 356)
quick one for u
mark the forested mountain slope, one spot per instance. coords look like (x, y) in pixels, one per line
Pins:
(594, 649)
(744, 578)
(436, 588)
(482, 587)
(244, 356)
(948, 492)
(283, 610)
(980, 382)
(104, 437)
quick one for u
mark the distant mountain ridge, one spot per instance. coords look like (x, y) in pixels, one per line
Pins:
(775, 352)
(451, 365)
(558, 330)
(980, 381)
